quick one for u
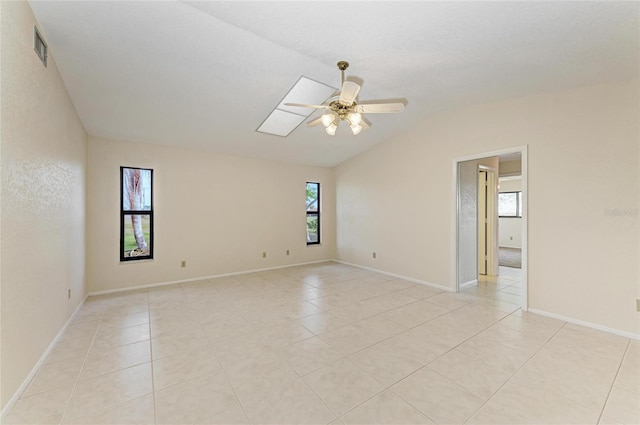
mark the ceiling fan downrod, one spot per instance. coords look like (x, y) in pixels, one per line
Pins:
(342, 66)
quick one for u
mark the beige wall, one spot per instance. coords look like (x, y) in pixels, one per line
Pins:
(511, 168)
(43, 201)
(217, 212)
(397, 198)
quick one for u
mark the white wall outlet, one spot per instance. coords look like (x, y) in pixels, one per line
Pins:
(183, 263)
(374, 255)
(287, 252)
(264, 254)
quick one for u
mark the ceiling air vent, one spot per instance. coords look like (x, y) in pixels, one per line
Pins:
(39, 46)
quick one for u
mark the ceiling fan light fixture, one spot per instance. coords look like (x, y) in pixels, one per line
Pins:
(328, 119)
(356, 129)
(331, 129)
(355, 118)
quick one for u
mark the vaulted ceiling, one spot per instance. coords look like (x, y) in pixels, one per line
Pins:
(205, 75)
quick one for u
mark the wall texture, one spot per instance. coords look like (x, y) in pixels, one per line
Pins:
(43, 146)
(217, 212)
(583, 174)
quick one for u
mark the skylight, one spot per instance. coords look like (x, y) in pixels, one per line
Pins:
(284, 119)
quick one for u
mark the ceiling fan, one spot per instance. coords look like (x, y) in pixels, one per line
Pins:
(344, 107)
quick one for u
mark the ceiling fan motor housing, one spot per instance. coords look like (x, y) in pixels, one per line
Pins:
(341, 110)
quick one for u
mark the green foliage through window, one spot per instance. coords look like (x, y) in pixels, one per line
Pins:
(136, 214)
(313, 213)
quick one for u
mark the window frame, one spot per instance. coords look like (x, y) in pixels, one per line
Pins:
(518, 213)
(124, 213)
(314, 213)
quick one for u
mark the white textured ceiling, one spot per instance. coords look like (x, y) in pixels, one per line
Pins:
(206, 74)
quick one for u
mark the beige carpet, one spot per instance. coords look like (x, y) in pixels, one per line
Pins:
(510, 257)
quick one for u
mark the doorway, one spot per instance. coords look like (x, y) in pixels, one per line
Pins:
(475, 245)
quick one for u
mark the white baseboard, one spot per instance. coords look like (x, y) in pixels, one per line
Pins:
(194, 279)
(410, 279)
(585, 324)
(471, 282)
(34, 370)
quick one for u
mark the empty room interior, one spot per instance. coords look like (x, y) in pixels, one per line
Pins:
(319, 212)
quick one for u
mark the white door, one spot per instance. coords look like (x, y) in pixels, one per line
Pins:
(487, 222)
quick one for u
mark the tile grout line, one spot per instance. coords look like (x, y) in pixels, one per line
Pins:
(421, 367)
(228, 381)
(213, 351)
(410, 328)
(406, 330)
(606, 400)
(84, 362)
(517, 370)
(301, 377)
(384, 339)
(337, 416)
(153, 383)
(100, 324)
(425, 299)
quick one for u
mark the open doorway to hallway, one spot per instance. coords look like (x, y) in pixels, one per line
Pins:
(490, 233)
(510, 212)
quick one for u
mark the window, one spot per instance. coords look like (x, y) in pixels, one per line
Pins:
(136, 214)
(510, 204)
(313, 213)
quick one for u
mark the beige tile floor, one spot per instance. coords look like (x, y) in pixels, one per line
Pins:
(329, 344)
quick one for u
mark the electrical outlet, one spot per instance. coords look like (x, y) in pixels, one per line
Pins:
(510, 238)
(68, 294)
(287, 252)
(183, 263)
(374, 254)
(264, 254)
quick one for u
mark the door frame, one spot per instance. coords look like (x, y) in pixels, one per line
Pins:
(523, 151)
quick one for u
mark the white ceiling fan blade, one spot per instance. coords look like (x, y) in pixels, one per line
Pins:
(365, 123)
(304, 105)
(348, 93)
(315, 122)
(379, 108)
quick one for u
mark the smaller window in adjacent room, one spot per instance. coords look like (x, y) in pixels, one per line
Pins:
(313, 213)
(136, 214)
(510, 204)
